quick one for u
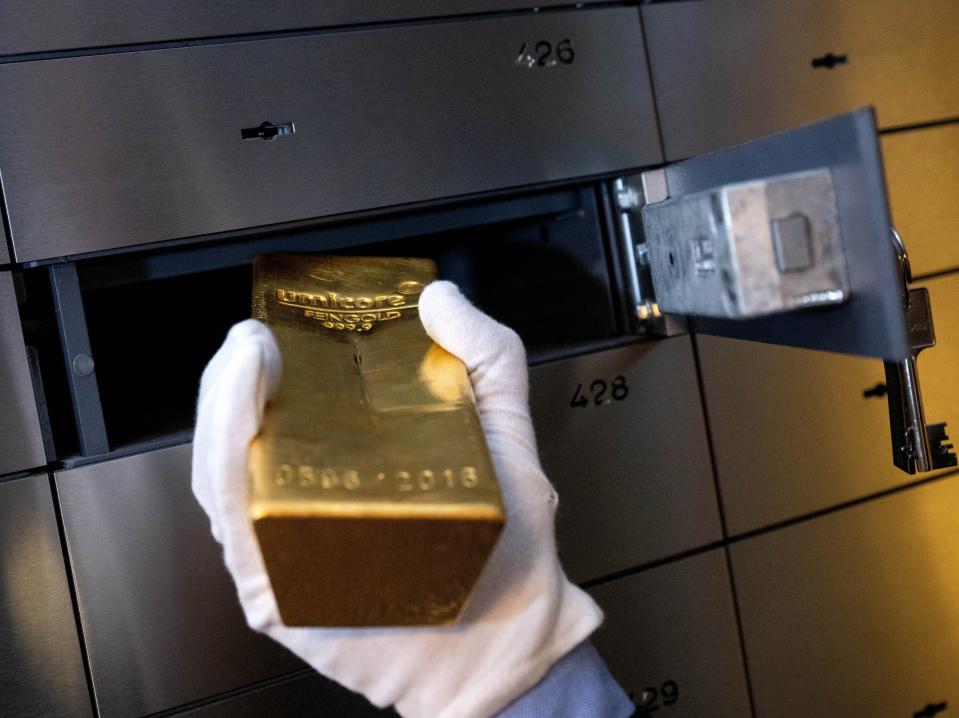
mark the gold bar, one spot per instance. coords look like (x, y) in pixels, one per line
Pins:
(373, 498)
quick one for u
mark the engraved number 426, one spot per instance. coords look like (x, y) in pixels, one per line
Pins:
(544, 53)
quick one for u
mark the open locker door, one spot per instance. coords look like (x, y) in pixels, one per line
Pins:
(787, 240)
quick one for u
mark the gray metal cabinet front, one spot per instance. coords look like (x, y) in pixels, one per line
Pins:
(792, 430)
(21, 444)
(41, 669)
(922, 172)
(160, 616)
(621, 435)
(139, 147)
(796, 431)
(855, 613)
(306, 695)
(27, 26)
(725, 71)
(939, 366)
(670, 639)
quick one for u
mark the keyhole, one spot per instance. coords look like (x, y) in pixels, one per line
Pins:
(267, 131)
(879, 391)
(829, 61)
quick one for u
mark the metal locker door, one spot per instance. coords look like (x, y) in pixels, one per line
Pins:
(728, 70)
(621, 434)
(742, 383)
(21, 442)
(41, 666)
(670, 638)
(303, 694)
(838, 168)
(922, 172)
(161, 621)
(854, 613)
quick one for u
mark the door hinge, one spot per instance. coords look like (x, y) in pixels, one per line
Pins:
(630, 195)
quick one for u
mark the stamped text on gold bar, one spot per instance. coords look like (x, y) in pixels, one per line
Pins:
(373, 495)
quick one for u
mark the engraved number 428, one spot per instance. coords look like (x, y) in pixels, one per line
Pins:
(599, 392)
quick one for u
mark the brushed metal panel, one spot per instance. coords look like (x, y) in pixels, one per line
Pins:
(676, 623)
(726, 71)
(855, 613)
(792, 432)
(21, 444)
(301, 696)
(41, 670)
(27, 26)
(939, 366)
(161, 620)
(922, 174)
(383, 117)
(633, 476)
(872, 321)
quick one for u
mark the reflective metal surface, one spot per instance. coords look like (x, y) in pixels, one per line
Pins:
(792, 430)
(855, 613)
(922, 173)
(748, 249)
(872, 322)
(622, 437)
(41, 670)
(28, 27)
(795, 431)
(160, 615)
(294, 698)
(822, 418)
(171, 163)
(21, 445)
(670, 639)
(371, 448)
(726, 71)
(939, 367)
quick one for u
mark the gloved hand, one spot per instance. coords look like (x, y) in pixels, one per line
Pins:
(524, 615)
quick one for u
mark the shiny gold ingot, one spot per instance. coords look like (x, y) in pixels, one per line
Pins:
(373, 496)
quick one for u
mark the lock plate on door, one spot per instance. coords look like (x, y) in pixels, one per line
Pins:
(810, 207)
(785, 240)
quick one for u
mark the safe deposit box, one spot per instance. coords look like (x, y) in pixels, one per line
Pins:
(686, 210)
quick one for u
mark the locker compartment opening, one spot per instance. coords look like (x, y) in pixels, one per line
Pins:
(154, 320)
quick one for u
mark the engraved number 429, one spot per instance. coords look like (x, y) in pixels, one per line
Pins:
(599, 392)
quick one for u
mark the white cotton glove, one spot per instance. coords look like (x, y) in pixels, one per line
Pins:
(524, 614)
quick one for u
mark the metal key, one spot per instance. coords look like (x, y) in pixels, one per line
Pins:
(916, 446)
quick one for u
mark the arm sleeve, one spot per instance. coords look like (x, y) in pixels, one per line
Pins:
(577, 686)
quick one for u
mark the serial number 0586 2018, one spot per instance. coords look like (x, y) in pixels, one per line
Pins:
(309, 476)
